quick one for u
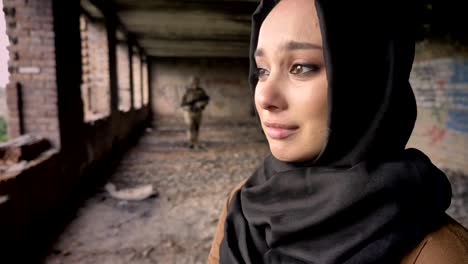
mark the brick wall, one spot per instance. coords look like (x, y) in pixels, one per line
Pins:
(46, 65)
(32, 69)
(95, 60)
(123, 73)
(440, 83)
(225, 81)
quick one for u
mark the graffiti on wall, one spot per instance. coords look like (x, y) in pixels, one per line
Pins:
(458, 110)
(429, 80)
(459, 68)
(442, 86)
(436, 134)
(458, 120)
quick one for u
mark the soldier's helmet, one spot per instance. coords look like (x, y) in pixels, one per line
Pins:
(194, 81)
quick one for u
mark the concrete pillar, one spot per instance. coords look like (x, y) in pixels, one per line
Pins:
(69, 72)
(112, 46)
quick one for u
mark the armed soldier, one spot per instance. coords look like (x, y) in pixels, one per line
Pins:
(194, 101)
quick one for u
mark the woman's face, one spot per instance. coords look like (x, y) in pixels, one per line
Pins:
(291, 94)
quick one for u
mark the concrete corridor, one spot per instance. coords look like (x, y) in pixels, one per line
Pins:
(177, 225)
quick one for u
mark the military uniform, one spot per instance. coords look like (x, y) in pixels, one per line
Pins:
(193, 103)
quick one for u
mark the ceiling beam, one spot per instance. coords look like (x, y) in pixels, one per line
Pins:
(168, 48)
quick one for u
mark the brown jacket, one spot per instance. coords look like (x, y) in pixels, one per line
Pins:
(446, 245)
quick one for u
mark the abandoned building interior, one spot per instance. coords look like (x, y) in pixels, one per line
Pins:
(93, 100)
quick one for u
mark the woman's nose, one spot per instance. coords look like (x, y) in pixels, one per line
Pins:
(269, 95)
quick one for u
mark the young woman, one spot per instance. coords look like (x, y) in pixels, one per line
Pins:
(332, 93)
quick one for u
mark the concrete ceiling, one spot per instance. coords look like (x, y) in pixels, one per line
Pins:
(188, 28)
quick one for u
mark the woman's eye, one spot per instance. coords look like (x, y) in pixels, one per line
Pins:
(262, 73)
(301, 69)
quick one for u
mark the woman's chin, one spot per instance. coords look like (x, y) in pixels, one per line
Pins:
(283, 154)
(288, 153)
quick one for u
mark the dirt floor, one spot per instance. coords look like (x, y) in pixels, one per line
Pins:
(177, 225)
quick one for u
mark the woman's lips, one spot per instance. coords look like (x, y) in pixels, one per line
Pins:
(278, 130)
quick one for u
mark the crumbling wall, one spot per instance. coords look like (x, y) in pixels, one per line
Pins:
(95, 86)
(32, 90)
(225, 81)
(44, 179)
(440, 83)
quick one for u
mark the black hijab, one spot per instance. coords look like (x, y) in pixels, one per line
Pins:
(364, 199)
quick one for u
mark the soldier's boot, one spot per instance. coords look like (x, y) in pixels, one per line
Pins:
(194, 138)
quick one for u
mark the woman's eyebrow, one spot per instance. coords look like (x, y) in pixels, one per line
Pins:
(291, 45)
(294, 45)
(259, 53)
